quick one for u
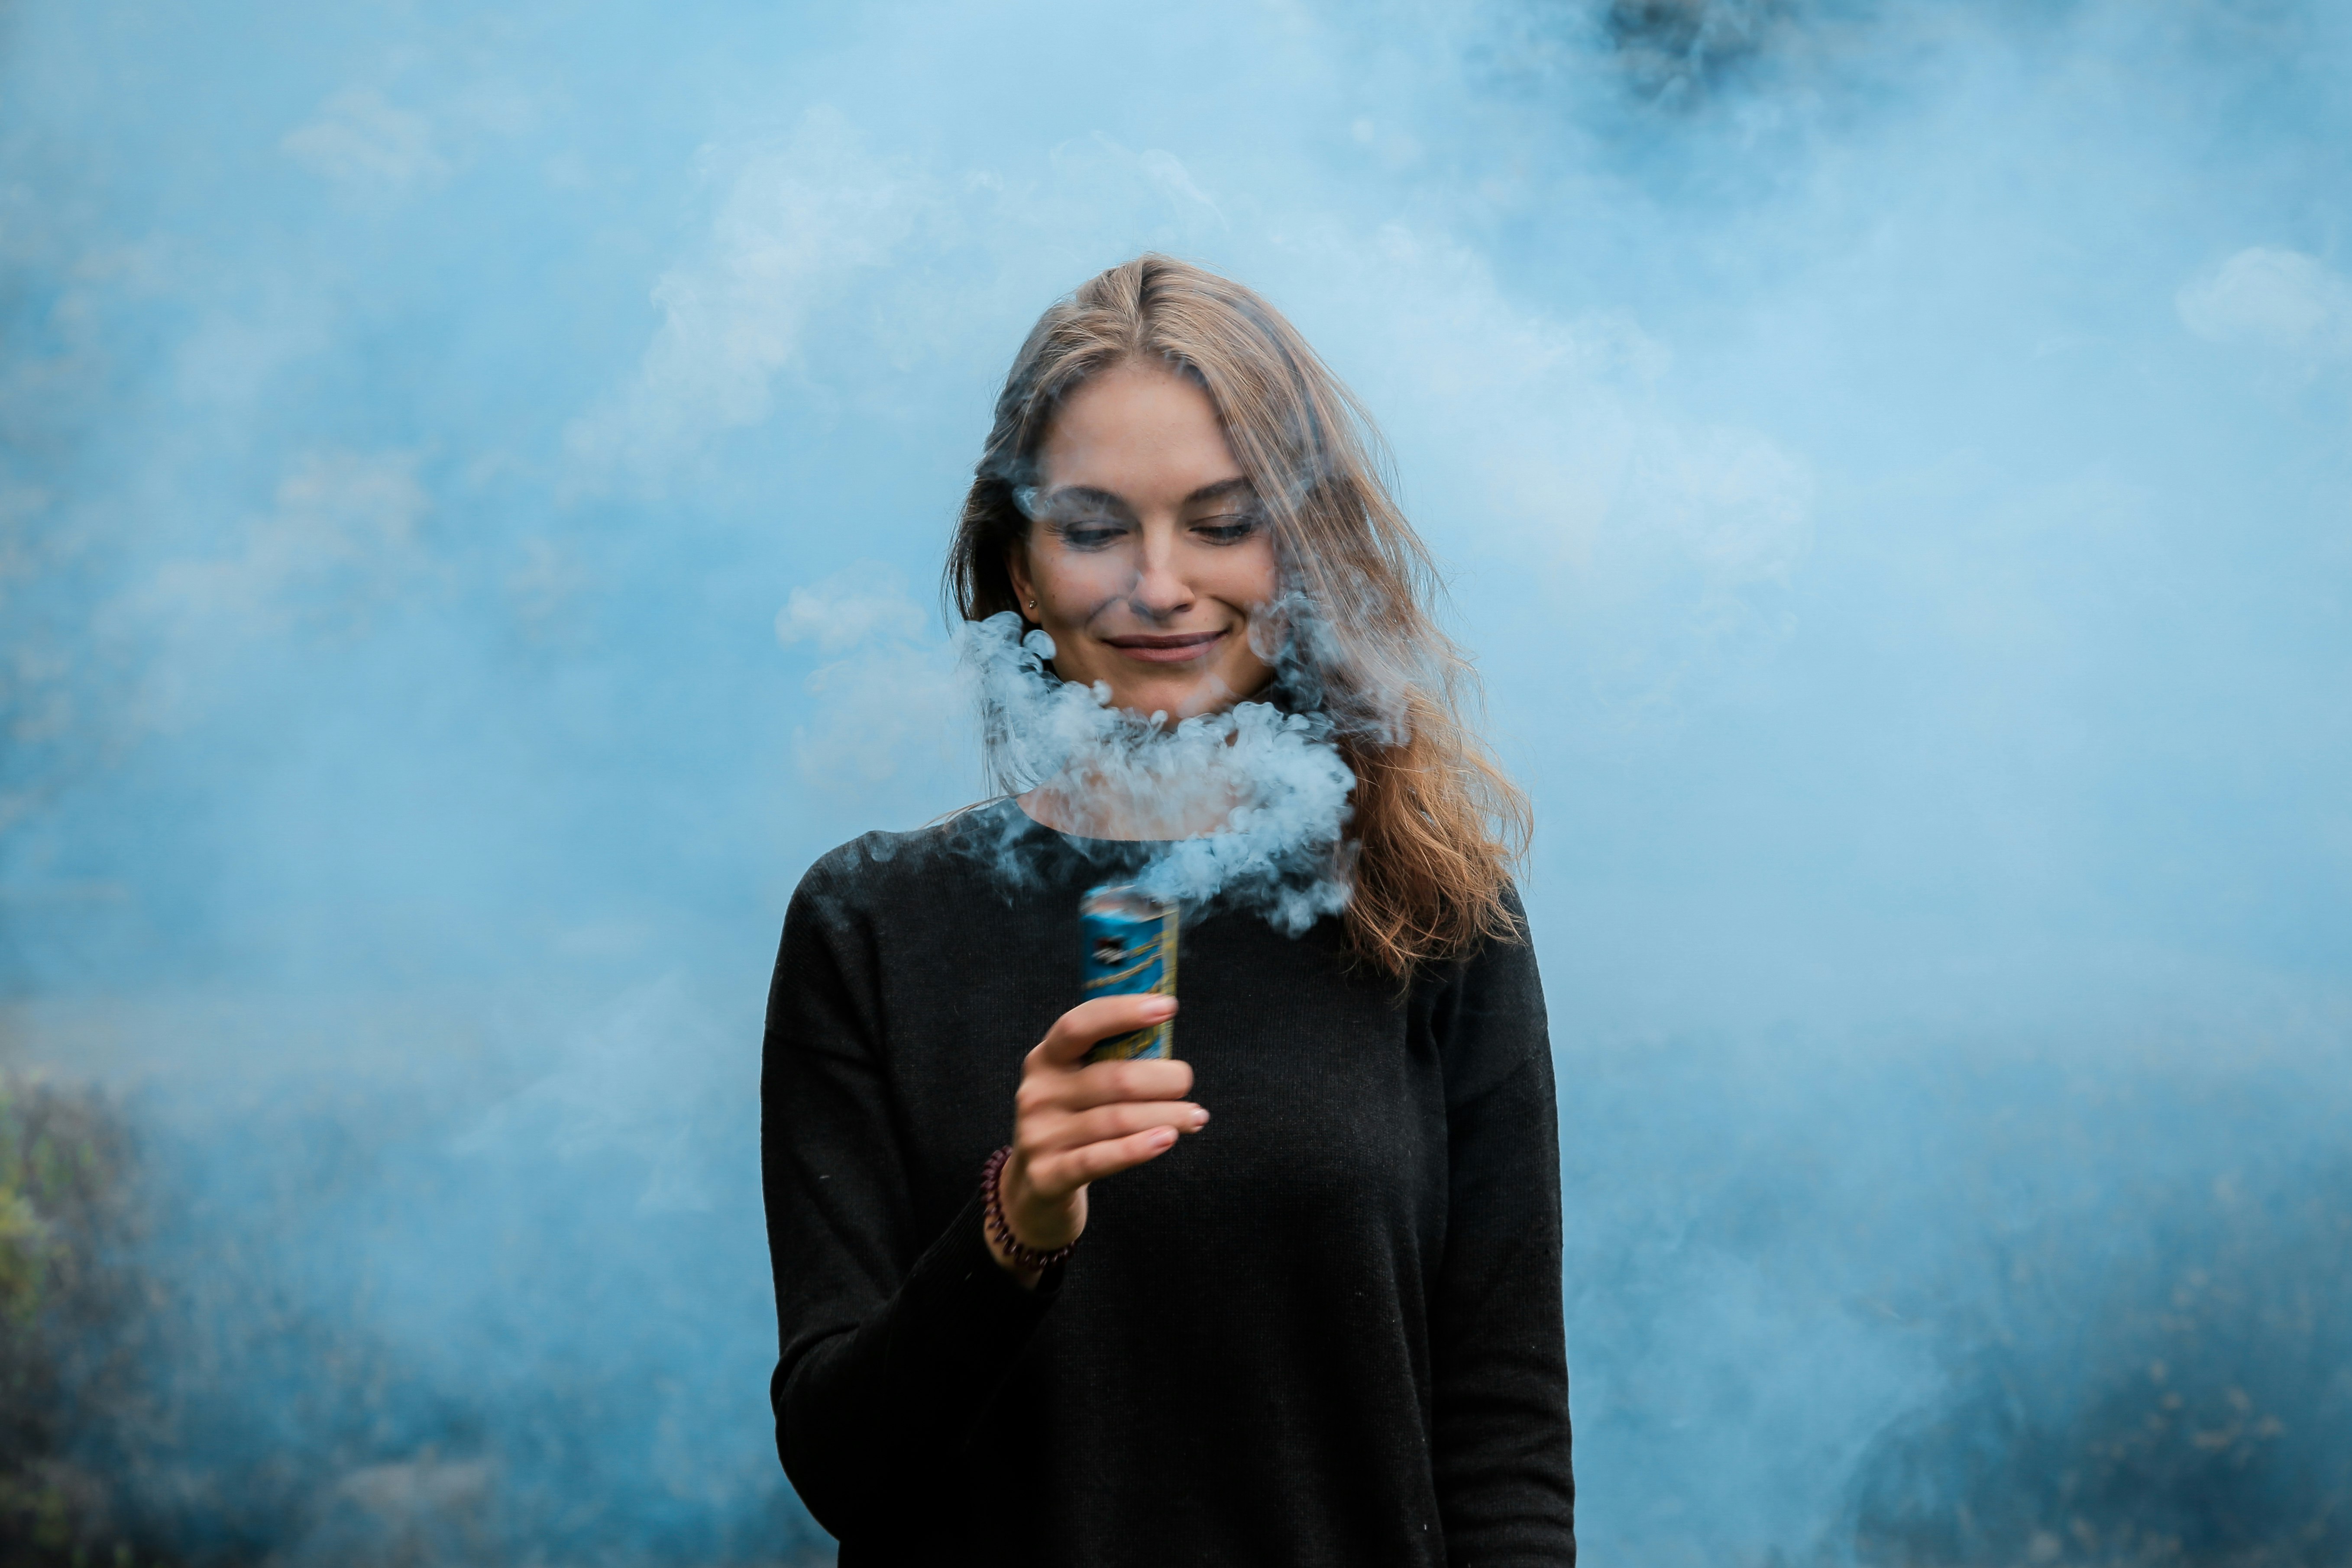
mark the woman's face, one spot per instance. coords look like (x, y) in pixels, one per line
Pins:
(1146, 557)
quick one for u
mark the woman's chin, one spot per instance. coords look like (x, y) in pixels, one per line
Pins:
(1178, 699)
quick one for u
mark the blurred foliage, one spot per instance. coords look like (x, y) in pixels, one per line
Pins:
(227, 1394)
(64, 1162)
(2187, 1403)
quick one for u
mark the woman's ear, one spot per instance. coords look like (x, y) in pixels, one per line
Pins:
(1016, 572)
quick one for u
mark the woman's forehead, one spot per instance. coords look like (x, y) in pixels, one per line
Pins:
(1138, 432)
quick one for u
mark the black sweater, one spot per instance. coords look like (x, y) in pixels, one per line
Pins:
(1325, 1329)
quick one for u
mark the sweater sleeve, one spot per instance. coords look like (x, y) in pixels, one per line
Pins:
(1499, 1355)
(891, 1342)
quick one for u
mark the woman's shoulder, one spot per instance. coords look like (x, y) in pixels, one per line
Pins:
(1497, 969)
(884, 868)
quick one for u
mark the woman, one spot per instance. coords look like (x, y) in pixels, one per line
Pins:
(1325, 1327)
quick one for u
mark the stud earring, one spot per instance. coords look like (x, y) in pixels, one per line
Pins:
(1032, 604)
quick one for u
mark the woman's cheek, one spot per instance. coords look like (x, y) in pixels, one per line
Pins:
(1086, 584)
(1245, 575)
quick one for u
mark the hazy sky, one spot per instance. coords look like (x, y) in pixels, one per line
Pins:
(474, 480)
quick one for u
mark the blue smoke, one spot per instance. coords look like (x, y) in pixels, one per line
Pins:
(469, 483)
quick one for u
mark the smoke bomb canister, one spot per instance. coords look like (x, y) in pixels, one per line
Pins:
(1130, 948)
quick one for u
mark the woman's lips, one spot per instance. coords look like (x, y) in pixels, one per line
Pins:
(1174, 648)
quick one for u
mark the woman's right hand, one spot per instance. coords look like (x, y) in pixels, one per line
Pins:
(1075, 1123)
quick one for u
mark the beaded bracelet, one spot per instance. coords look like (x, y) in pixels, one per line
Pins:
(1000, 1231)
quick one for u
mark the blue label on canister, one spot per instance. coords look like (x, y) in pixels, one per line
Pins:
(1129, 939)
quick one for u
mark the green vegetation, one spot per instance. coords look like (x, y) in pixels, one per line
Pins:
(63, 1169)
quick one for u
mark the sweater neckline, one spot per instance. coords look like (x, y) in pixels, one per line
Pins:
(1092, 847)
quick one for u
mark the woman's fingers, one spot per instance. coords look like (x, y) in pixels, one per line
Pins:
(1105, 1083)
(1075, 1122)
(1050, 1092)
(1128, 1117)
(1055, 1175)
(1059, 1154)
(1088, 1024)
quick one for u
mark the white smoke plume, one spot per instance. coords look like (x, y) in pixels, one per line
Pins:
(1245, 807)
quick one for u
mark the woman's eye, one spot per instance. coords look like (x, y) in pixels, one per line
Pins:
(1226, 529)
(1089, 535)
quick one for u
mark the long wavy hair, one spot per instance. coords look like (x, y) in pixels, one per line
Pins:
(1436, 823)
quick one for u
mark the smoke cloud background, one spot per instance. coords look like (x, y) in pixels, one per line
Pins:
(473, 483)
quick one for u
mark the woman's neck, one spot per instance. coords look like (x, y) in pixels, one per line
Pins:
(1097, 802)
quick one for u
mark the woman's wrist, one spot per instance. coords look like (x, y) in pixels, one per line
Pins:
(1026, 1277)
(1028, 1264)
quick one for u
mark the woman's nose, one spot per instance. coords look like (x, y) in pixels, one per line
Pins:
(1159, 591)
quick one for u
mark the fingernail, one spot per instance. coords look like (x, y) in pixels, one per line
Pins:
(1200, 1120)
(1159, 1008)
(1164, 1137)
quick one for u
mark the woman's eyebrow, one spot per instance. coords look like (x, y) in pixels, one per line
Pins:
(1072, 496)
(1223, 490)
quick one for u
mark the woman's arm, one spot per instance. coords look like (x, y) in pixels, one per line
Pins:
(894, 1342)
(1498, 1347)
(891, 1342)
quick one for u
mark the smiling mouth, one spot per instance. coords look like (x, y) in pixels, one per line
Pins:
(1166, 649)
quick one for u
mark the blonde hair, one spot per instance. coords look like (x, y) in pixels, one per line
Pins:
(1436, 823)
